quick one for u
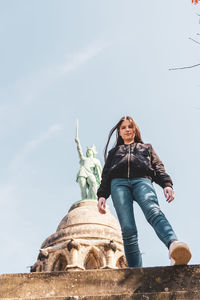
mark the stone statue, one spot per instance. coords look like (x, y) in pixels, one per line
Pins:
(89, 174)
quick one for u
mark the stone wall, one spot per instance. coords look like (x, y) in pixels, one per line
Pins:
(179, 282)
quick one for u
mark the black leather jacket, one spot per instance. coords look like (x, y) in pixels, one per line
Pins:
(131, 161)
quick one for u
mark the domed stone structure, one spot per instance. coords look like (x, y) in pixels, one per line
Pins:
(85, 239)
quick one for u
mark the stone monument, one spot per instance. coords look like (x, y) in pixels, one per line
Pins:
(84, 239)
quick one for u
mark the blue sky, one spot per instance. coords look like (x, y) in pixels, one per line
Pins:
(95, 61)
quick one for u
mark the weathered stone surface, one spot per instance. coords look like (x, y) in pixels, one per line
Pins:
(146, 296)
(85, 239)
(179, 282)
(84, 221)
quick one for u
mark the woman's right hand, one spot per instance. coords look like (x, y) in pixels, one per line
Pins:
(102, 205)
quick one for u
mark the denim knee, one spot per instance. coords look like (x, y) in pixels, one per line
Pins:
(153, 214)
(129, 231)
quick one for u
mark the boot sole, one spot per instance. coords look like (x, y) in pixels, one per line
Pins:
(181, 255)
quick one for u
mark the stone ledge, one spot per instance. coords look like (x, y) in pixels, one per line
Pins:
(139, 296)
(179, 282)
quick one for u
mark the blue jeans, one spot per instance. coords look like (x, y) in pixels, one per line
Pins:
(124, 192)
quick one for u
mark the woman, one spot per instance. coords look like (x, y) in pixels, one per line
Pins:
(128, 173)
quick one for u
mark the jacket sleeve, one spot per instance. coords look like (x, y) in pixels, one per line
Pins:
(104, 189)
(160, 175)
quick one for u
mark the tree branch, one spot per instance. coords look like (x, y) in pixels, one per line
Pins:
(194, 40)
(182, 68)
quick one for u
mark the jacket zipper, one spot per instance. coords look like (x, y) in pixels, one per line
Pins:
(129, 154)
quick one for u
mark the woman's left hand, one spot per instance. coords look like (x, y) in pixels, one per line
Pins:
(169, 194)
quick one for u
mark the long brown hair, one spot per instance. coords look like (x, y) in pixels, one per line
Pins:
(119, 140)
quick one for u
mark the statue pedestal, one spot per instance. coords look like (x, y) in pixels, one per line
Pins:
(76, 204)
(85, 239)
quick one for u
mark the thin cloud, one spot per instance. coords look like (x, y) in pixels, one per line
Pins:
(76, 60)
(50, 133)
(31, 145)
(27, 88)
(7, 191)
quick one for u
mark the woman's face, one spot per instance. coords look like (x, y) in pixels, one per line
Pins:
(127, 132)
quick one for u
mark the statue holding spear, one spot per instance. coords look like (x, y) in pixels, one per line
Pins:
(89, 174)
